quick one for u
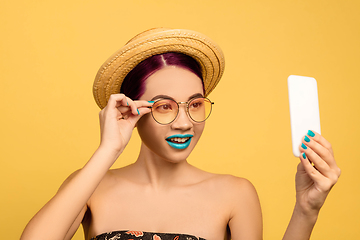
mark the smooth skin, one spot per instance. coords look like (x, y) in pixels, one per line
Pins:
(161, 191)
(315, 177)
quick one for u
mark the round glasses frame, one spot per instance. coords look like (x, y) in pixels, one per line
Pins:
(178, 109)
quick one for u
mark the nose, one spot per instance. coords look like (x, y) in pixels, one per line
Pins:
(182, 121)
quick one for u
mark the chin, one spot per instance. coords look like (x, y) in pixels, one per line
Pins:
(177, 157)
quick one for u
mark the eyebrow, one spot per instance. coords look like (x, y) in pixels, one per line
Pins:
(168, 97)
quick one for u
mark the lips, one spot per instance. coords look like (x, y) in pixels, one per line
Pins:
(179, 141)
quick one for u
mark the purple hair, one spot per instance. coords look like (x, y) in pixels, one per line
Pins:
(133, 85)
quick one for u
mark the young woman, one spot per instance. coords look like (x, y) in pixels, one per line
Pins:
(158, 82)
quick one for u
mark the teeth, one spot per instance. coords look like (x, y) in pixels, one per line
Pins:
(179, 140)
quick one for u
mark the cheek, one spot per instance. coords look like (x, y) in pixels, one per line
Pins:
(199, 128)
(143, 125)
(148, 129)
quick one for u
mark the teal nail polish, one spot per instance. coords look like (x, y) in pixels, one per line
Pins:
(138, 111)
(127, 103)
(303, 146)
(150, 101)
(304, 156)
(307, 139)
(311, 134)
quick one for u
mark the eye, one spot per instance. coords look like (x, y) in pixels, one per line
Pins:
(196, 104)
(163, 107)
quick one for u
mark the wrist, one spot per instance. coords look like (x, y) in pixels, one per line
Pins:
(310, 215)
(109, 151)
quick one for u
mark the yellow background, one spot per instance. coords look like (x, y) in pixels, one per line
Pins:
(51, 51)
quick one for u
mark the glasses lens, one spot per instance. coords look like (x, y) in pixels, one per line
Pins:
(164, 111)
(200, 109)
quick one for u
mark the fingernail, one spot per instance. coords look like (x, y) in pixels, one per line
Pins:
(127, 103)
(304, 156)
(138, 111)
(307, 139)
(303, 146)
(311, 134)
(150, 101)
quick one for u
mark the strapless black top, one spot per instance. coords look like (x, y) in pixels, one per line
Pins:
(139, 235)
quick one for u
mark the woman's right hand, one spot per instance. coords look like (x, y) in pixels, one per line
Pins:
(118, 119)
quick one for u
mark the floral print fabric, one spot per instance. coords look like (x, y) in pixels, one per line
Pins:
(139, 235)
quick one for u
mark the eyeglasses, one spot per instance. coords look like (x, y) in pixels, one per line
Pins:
(165, 111)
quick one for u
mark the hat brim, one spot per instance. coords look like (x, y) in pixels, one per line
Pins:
(153, 42)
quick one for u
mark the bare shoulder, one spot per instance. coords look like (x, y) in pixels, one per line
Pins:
(231, 185)
(240, 191)
(239, 185)
(231, 191)
(245, 218)
(232, 180)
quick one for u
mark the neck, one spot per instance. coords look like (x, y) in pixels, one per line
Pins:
(160, 173)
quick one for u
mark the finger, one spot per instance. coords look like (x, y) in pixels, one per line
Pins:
(315, 160)
(320, 139)
(136, 105)
(127, 111)
(135, 118)
(120, 103)
(321, 182)
(330, 172)
(133, 106)
(116, 100)
(143, 103)
(123, 101)
(321, 146)
(320, 151)
(314, 174)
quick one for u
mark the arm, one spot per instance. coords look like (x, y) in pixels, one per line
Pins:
(246, 218)
(56, 220)
(316, 175)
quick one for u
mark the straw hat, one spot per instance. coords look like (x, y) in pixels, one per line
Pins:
(157, 41)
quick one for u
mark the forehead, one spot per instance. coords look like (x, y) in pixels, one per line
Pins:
(175, 82)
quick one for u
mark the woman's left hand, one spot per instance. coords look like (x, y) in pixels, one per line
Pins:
(316, 174)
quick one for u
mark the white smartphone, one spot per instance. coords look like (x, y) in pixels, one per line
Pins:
(304, 109)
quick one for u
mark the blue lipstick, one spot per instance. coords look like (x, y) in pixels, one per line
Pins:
(179, 144)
